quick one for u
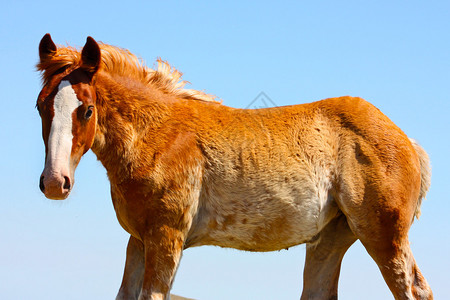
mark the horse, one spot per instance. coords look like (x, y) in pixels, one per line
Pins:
(186, 170)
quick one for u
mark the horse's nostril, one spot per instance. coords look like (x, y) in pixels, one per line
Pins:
(66, 183)
(41, 184)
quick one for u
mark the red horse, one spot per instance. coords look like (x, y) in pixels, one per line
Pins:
(187, 171)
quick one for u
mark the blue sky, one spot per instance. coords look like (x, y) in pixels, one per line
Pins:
(394, 54)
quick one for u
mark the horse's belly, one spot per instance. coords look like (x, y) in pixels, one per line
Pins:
(266, 207)
(260, 222)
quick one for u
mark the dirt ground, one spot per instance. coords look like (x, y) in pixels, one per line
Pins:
(175, 297)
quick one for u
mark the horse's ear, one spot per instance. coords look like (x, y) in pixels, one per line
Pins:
(46, 47)
(90, 55)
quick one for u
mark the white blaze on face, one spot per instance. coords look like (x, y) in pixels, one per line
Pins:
(60, 138)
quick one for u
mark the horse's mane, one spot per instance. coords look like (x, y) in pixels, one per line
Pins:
(121, 62)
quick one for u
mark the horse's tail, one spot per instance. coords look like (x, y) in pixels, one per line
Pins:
(425, 175)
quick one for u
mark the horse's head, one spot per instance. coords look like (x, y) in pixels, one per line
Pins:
(67, 106)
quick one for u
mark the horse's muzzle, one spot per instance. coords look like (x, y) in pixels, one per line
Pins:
(55, 187)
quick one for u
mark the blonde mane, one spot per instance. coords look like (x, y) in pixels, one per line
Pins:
(121, 62)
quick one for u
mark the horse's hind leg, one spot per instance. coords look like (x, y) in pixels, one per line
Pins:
(382, 227)
(400, 271)
(323, 260)
(396, 262)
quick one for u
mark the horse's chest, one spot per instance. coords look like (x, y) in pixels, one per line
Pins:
(130, 209)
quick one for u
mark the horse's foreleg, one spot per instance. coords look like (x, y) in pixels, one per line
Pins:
(162, 253)
(323, 260)
(134, 271)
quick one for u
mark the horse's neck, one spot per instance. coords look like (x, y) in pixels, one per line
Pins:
(125, 116)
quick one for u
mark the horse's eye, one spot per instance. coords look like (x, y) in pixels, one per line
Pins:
(89, 112)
